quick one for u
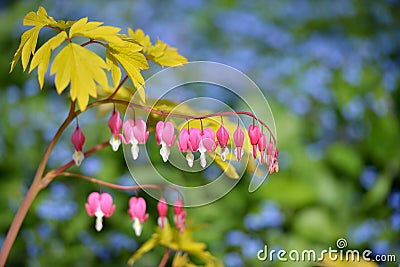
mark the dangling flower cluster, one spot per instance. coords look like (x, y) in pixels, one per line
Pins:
(101, 205)
(190, 140)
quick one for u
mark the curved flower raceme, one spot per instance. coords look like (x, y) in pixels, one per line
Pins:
(180, 215)
(162, 208)
(238, 138)
(184, 145)
(78, 139)
(115, 124)
(99, 205)
(135, 133)
(254, 135)
(223, 137)
(137, 212)
(165, 136)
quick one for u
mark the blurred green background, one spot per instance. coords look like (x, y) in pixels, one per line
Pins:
(330, 71)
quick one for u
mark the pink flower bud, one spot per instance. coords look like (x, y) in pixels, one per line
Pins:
(222, 136)
(162, 208)
(78, 139)
(261, 146)
(115, 125)
(254, 135)
(238, 138)
(180, 215)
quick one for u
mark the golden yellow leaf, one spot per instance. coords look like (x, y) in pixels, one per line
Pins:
(141, 38)
(40, 18)
(26, 47)
(147, 246)
(161, 53)
(180, 260)
(82, 68)
(164, 55)
(94, 30)
(29, 38)
(112, 64)
(42, 56)
(132, 60)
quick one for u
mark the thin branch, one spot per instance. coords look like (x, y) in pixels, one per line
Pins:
(165, 258)
(118, 87)
(115, 186)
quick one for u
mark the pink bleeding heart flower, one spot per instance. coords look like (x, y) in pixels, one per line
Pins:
(223, 137)
(185, 146)
(137, 212)
(115, 125)
(194, 139)
(180, 215)
(162, 208)
(254, 135)
(207, 144)
(238, 138)
(135, 133)
(78, 139)
(165, 136)
(99, 205)
(262, 143)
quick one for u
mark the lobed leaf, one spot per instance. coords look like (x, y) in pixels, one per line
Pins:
(81, 68)
(29, 38)
(40, 18)
(161, 53)
(26, 47)
(131, 59)
(164, 55)
(94, 30)
(42, 56)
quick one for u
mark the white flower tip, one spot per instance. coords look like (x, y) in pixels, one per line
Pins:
(162, 222)
(203, 161)
(190, 158)
(99, 223)
(115, 142)
(78, 157)
(135, 151)
(164, 152)
(137, 227)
